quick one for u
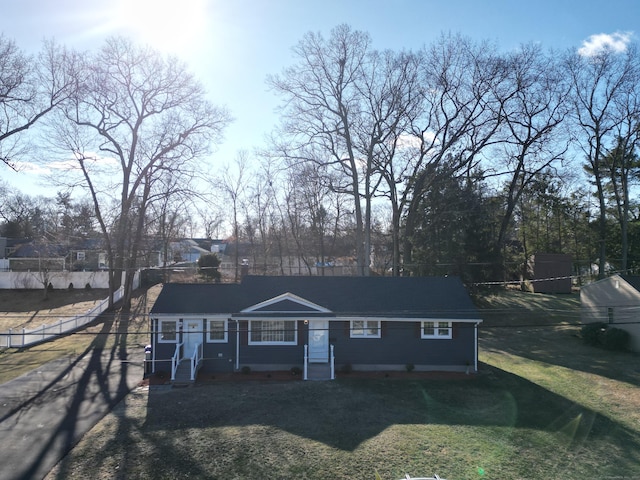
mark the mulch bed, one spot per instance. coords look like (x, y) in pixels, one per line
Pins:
(164, 378)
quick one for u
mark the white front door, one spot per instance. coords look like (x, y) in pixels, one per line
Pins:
(318, 341)
(192, 335)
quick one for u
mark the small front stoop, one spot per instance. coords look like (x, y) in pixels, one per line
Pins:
(183, 376)
(319, 371)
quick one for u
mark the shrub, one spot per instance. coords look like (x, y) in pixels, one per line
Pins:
(592, 333)
(346, 368)
(246, 370)
(296, 370)
(409, 367)
(208, 267)
(87, 286)
(71, 286)
(615, 339)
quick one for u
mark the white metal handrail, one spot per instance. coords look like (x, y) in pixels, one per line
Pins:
(175, 360)
(332, 363)
(196, 358)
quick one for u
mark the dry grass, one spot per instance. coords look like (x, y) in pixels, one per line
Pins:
(28, 308)
(105, 330)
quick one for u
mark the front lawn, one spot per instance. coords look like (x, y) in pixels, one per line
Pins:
(544, 405)
(496, 426)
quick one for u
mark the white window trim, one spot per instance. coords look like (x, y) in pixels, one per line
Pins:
(226, 330)
(366, 333)
(295, 332)
(436, 327)
(160, 322)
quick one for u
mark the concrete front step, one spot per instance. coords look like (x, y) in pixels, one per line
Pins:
(183, 375)
(319, 371)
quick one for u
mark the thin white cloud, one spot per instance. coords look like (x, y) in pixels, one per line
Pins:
(49, 168)
(616, 42)
(31, 168)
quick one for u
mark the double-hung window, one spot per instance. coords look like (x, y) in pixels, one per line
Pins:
(432, 329)
(365, 328)
(272, 332)
(217, 330)
(168, 331)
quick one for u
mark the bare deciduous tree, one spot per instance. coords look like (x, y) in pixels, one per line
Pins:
(534, 107)
(233, 185)
(323, 115)
(600, 84)
(461, 115)
(147, 117)
(30, 87)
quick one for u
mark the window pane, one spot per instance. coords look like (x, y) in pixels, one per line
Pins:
(357, 328)
(372, 328)
(256, 331)
(216, 329)
(443, 329)
(273, 331)
(428, 328)
(289, 331)
(168, 330)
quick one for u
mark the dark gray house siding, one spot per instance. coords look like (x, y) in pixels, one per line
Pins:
(269, 357)
(401, 344)
(400, 305)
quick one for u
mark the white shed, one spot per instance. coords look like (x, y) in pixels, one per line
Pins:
(614, 300)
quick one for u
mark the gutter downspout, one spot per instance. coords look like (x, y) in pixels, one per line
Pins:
(237, 344)
(154, 327)
(477, 324)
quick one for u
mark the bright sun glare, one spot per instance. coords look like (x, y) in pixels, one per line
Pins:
(167, 25)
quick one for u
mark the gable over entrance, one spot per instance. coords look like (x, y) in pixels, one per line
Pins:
(286, 303)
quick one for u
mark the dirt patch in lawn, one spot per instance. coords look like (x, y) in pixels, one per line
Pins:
(28, 308)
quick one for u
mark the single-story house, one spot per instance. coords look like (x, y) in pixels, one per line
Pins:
(319, 325)
(614, 300)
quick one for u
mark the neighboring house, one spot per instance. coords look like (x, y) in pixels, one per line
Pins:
(187, 250)
(316, 324)
(614, 300)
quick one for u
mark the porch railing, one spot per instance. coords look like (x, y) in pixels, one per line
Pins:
(332, 363)
(175, 360)
(196, 358)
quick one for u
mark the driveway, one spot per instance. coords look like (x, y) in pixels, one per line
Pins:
(45, 412)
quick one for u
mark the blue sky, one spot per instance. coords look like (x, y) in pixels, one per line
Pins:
(232, 45)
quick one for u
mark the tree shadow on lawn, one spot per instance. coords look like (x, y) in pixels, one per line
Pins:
(561, 346)
(71, 401)
(345, 413)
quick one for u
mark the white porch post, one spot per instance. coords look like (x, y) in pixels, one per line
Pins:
(237, 345)
(333, 365)
(475, 360)
(306, 361)
(154, 329)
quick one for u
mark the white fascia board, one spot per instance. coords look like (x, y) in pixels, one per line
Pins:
(407, 319)
(284, 297)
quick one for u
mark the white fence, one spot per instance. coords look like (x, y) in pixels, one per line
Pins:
(25, 338)
(59, 280)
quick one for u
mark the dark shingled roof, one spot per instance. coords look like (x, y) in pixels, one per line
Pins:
(437, 297)
(633, 280)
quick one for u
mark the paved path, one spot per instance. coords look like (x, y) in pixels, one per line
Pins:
(45, 412)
